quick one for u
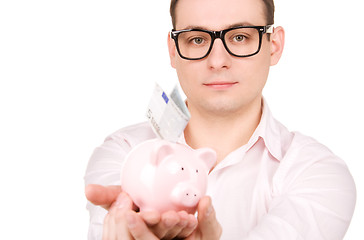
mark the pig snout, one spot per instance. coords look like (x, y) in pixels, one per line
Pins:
(186, 195)
(190, 197)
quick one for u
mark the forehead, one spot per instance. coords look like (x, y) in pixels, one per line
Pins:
(218, 14)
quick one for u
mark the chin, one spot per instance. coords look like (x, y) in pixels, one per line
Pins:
(221, 106)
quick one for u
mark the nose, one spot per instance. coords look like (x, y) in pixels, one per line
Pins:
(219, 58)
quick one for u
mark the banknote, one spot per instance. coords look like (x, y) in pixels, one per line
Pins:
(167, 114)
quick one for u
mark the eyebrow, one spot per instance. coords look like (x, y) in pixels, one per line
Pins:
(241, 24)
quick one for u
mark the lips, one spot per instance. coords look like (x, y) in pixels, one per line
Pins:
(220, 85)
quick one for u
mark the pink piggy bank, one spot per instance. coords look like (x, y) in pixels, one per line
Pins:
(162, 176)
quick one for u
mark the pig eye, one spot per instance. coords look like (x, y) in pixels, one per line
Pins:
(182, 168)
(196, 170)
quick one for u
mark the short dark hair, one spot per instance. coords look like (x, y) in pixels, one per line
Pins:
(269, 11)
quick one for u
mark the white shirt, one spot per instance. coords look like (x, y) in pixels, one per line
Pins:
(280, 185)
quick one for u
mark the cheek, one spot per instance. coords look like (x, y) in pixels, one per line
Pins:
(251, 70)
(258, 67)
(189, 75)
(185, 69)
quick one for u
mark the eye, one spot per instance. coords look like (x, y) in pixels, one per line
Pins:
(182, 168)
(196, 170)
(239, 38)
(197, 40)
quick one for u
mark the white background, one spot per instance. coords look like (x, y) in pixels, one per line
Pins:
(74, 71)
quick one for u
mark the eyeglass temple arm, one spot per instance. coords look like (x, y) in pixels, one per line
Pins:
(269, 28)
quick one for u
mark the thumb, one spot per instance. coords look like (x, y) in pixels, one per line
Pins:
(102, 196)
(208, 225)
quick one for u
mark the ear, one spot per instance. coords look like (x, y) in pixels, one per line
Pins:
(162, 149)
(208, 156)
(171, 50)
(277, 45)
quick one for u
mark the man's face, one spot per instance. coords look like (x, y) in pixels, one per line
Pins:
(221, 83)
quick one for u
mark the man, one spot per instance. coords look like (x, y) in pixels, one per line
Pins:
(268, 183)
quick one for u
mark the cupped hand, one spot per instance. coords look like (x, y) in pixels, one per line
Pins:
(123, 222)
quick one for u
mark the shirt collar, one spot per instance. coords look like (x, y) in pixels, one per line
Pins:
(269, 130)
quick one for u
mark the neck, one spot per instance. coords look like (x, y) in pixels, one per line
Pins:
(225, 132)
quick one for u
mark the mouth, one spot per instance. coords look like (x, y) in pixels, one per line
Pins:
(220, 85)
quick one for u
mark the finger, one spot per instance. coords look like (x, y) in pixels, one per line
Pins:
(207, 222)
(151, 218)
(168, 221)
(108, 228)
(105, 231)
(138, 228)
(179, 226)
(123, 201)
(115, 226)
(102, 195)
(121, 229)
(189, 228)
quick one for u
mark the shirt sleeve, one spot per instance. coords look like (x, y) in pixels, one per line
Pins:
(104, 168)
(313, 198)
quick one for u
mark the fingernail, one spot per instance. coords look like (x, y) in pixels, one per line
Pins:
(209, 211)
(121, 201)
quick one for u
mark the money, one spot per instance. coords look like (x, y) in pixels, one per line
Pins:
(167, 114)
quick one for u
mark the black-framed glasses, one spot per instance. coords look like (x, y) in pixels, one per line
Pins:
(242, 41)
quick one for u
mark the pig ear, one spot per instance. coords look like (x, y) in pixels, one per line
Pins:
(161, 150)
(208, 156)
